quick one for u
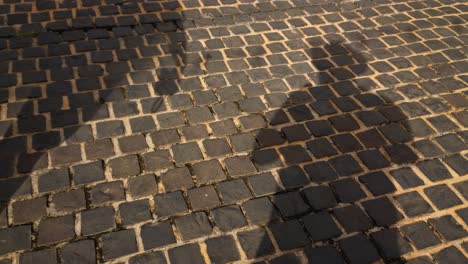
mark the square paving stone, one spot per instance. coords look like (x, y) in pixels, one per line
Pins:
(391, 243)
(199, 115)
(222, 249)
(195, 132)
(434, 170)
(54, 180)
(88, 172)
(319, 197)
(274, 117)
(39, 256)
(290, 203)
(289, 234)
(293, 177)
(243, 142)
(373, 159)
(266, 159)
(395, 133)
(125, 166)
(321, 226)
(294, 154)
(371, 118)
(263, 184)
(406, 177)
(15, 238)
(107, 192)
(228, 218)
(157, 160)
(320, 128)
(97, 220)
(102, 148)
(418, 127)
(286, 258)
(358, 249)
(223, 128)
(239, 166)
(217, 147)
(345, 165)
(169, 204)
(377, 183)
(442, 196)
(134, 212)
(157, 235)
(344, 123)
(462, 188)
(352, 218)
(260, 211)
(463, 214)
(321, 147)
(442, 123)
(69, 201)
(449, 255)
(323, 254)
(255, 243)
(208, 171)
(296, 133)
(176, 179)
(458, 163)
(203, 198)
(252, 122)
(451, 143)
(346, 143)
(267, 137)
(300, 113)
(148, 257)
(118, 244)
(226, 110)
(170, 120)
(401, 154)
(82, 251)
(371, 138)
(193, 225)
(141, 186)
(142, 124)
(448, 227)
(190, 253)
(29, 210)
(57, 229)
(420, 234)
(187, 152)
(382, 211)
(413, 204)
(347, 190)
(320, 172)
(165, 137)
(233, 191)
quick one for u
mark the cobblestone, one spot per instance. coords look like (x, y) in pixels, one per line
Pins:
(207, 131)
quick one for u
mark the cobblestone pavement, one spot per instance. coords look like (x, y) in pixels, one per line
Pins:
(213, 131)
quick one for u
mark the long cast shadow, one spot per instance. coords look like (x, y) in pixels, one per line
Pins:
(330, 142)
(325, 155)
(48, 106)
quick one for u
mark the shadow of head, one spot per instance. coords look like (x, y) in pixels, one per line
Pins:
(336, 102)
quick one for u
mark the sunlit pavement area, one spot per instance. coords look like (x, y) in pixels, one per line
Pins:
(215, 131)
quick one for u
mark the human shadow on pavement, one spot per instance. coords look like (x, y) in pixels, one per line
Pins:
(331, 143)
(75, 84)
(322, 155)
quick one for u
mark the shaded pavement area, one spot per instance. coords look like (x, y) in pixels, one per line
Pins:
(218, 131)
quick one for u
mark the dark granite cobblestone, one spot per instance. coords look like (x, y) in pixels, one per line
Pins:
(215, 131)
